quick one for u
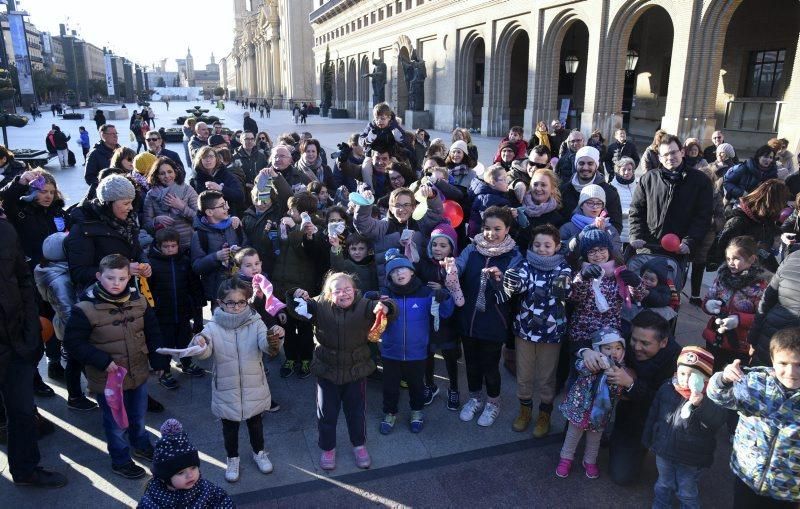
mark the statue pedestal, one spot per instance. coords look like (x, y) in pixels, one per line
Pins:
(418, 120)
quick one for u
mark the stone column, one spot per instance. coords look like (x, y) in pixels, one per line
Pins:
(276, 72)
(253, 72)
(270, 76)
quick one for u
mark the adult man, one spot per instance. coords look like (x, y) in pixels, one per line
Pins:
(587, 161)
(20, 348)
(671, 199)
(617, 150)
(347, 167)
(281, 160)
(217, 128)
(155, 145)
(558, 135)
(199, 139)
(376, 174)
(100, 155)
(566, 163)
(250, 124)
(710, 152)
(250, 160)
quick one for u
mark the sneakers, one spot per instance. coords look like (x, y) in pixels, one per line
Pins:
(193, 370)
(563, 468)
(81, 403)
(489, 414)
(287, 369)
(305, 369)
(41, 478)
(167, 381)
(327, 460)
(696, 301)
(273, 406)
(232, 469)
(523, 420)
(387, 424)
(154, 406)
(42, 389)
(129, 470)
(453, 400)
(362, 456)
(263, 462)
(430, 392)
(145, 454)
(592, 472)
(55, 371)
(471, 409)
(417, 421)
(542, 427)
(403, 384)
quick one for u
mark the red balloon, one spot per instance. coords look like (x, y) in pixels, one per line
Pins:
(671, 242)
(453, 212)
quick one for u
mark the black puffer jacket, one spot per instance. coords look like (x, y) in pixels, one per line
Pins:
(98, 159)
(744, 177)
(686, 441)
(742, 222)
(176, 289)
(779, 308)
(660, 207)
(231, 187)
(12, 169)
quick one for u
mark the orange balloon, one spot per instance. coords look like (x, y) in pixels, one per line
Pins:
(453, 212)
(47, 329)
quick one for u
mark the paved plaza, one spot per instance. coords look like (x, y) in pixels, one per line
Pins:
(449, 464)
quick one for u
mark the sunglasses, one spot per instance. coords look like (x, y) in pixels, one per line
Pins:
(153, 139)
(539, 165)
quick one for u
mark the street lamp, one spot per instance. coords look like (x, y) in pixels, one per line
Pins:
(631, 59)
(571, 64)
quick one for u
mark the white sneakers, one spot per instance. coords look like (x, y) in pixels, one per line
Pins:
(232, 470)
(489, 414)
(261, 459)
(470, 409)
(263, 462)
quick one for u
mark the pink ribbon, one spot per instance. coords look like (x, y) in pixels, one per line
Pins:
(622, 288)
(271, 303)
(115, 397)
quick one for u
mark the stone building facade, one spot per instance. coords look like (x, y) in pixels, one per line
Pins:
(272, 56)
(700, 65)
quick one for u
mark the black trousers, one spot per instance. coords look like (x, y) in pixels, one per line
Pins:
(451, 356)
(72, 377)
(745, 498)
(482, 359)
(230, 434)
(413, 372)
(352, 398)
(177, 335)
(17, 396)
(626, 455)
(298, 345)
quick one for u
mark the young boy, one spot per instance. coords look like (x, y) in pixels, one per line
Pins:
(681, 429)
(493, 190)
(113, 327)
(177, 294)
(383, 129)
(515, 138)
(270, 196)
(766, 448)
(216, 239)
(358, 260)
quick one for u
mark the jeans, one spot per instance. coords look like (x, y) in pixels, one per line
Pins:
(136, 407)
(17, 396)
(482, 360)
(413, 372)
(230, 434)
(353, 399)
(676, 479)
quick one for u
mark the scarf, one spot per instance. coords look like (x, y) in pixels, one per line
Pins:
(222, 225)
(544, 138)
(581, 221)
(534, 209)
(544, 263)
(746, 209)
(406, 289)
(578, 185)
(101, 293)
(127, 228)
(161, 192)
(459, 170)
(310, 170)
(685, 392)
(492, 250)
(736, 282)
(625, 182)
(672, 176)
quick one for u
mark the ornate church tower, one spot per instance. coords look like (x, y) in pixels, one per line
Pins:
(189, 66)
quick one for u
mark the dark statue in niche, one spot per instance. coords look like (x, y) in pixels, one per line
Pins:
(378, 76)
(415, 74)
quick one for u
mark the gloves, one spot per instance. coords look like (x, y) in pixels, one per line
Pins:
(630, 278)
(684, 249)
(591, 271)
(727, 323)
(512, 281)
(637, 244)
(713, 306)
(371, 135)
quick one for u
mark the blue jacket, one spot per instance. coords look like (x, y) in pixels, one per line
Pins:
(744, 177)
(84, 141)
(406, 338)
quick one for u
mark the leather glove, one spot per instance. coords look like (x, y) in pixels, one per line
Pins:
(727, 323)
(630, 278)
(714, 306)
(591, 271)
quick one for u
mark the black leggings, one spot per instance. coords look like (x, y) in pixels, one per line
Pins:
(230, 434)
(482, 359)
(451, 356)
(698, 269)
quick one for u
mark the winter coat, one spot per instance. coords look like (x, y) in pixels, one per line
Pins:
(10, 171)
(176, 289)
(779, 308)
(250, 164)
(742, 222)
(56, 288)
(570, 230)
(565, 167)
(98, 159)
(446, 337)
(84, 140)
(172, 155)
(249, 125)
(239, 388)
(660, 207)
(99, 332)
(345, 173)
(20, 331)
(570, 197)
(195, 144)
(203, 495)
(60, 140)
(766, 448)
(481, 196)
(742, 302)
(154, 206)
(365, 272)
(625, 192)
(617, 151)
(385, 233)
(689, 441)
(294, 267)
(206, 241)
(577, 405)
(744, 177)
(388, 136)
(649, 161)
(231, 186)
(492, 324)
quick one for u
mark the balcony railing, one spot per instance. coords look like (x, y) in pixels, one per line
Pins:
(753, 115)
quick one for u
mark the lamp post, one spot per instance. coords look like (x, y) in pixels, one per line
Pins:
(571, 63)
(631, 59)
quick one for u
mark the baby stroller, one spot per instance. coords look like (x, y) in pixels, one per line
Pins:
(677, 270)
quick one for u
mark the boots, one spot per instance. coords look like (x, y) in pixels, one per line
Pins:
(510, 360)
(523, 419)
(542, 427)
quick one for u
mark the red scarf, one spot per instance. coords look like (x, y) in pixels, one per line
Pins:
(685, 391)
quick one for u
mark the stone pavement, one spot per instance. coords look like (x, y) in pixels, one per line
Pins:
(449, 464)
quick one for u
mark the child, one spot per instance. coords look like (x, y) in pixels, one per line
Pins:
(681, 429)
(55, 287)
(84, 142)
(358, 260)
(514, 137)
(589, 403)
(486, 193)
(657, 293)
(438, 271)
(175, 290)
(766, 456)
(383, 129)
(236, 337)
(96, 337)
(270, 196)
(319, 190)
(543, 282)
(176, 478)
(342, 320)
(589, 212)
(404, 344)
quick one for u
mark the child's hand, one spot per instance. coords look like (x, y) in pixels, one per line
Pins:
(381, 308)
(368, 194)
(727, 323)
(288, 221)
(200, 341)
(495, 272)
(300, 293)
(714, 306)
(695, 398)
(600, 223)
(433, 285)
(450, 265)
(141, 269)
(427, 191)
(308, 229)
(733, 372)
(112, 367)
(334, 241)
(591, 271)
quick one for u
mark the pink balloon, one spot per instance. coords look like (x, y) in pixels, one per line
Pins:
(671, 242)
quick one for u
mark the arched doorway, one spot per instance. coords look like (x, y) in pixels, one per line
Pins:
(351, 88)
(572, 65)
(401, 103)
(511, 54)
(341, 100)
(518, 80)
(469, 91)
(363, 90)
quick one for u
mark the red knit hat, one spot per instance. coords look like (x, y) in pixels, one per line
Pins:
(697, 358)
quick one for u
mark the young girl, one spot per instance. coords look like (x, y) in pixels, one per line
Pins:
(342, 319)
(236, 338)
(589, 403)
(591, 205)
(483, 321)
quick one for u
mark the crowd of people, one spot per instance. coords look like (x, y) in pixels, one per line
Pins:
(564, 261)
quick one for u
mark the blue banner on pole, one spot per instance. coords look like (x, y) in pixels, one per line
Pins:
(19, 42)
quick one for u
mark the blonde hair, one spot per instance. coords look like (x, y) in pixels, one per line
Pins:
(330, 279)
(554, 183)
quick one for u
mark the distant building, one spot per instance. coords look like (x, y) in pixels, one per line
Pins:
(53, 55)
(34, 37)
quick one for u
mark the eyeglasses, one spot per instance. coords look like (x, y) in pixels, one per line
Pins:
(153, 139)
(210, 155)
(539, 165)
(396, 178)
(595, 204)
(403, 205)
(224, 205)
(249, 138)
(597, 250)
(235, 303)
(671, 153)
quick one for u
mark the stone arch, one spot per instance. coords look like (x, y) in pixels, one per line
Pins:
(362, 111)
(340, 85)
(351, 88)
(497, 112)
(470, 57)
(401, 97)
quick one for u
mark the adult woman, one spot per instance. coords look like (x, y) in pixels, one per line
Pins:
(436, 149)
(310, 164)
(460, 164)
(784, 159)
(170, 202)
(597, 141)
(122, 159)
(400, 175)
(188, 132)
(649, 159)
(542, 203)
(625, 183)
(264, 143)
(591, 204)
(541, 136)
(459, 133)
(746, 176)
(209, 173)
(9, 167)
(694, 154)
(756, 215)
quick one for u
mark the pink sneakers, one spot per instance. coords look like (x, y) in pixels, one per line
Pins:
(592, 472)
(563, 468)
(362, 456)
(328, 460)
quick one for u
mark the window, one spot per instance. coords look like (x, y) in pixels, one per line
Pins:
(389, 11)
(380, 14)
(765, 73)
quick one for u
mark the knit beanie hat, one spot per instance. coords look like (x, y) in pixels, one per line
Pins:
(460, 145)
(508, 145)
(697, 358)
(592, 191)
(143, 162)
(216, 139)
(115, 187)
(606, 336)
(446, 231)
(728, 149)
(658, 267)
(173, 451)
(53, 247)
(394, 260)
(587, 151)
(591, 237)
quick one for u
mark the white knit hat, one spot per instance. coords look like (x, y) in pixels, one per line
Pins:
(460, 145)
(587, 151)
(591, 191)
